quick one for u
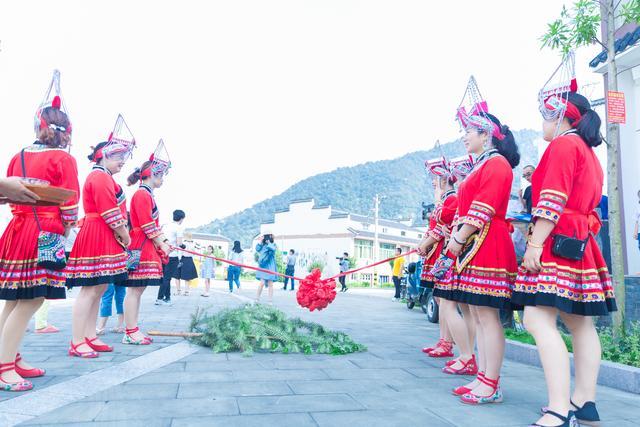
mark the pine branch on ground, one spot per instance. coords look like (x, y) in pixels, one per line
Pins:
(262, 328)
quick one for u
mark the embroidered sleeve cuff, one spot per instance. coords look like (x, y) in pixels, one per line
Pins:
(69, 214)
(113, 218)
(550, 206)
(436, 233)
(151, 230)
(479, 214)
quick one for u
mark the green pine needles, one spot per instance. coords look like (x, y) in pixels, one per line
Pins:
(263, 328)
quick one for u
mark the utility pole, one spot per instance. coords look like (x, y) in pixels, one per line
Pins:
(376, 244)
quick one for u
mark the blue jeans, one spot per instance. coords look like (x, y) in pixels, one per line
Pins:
(289, 271)
(233, 275)
(106, 304)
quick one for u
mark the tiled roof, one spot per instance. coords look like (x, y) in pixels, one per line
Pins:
(389, 237)
(382, 222)
(628, 40)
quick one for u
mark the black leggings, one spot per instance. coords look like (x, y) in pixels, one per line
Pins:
(342, 280)
(396, 282)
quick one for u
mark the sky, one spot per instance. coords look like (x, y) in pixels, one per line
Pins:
(251, 96)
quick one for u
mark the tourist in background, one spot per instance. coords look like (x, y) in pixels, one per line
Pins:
(525, 188)
(344, 267)
(233, 271)
(174, 233)
(290, 269)
(398, 269)
(266, 251)
(186, 270)
(207, 270)
(117, 293)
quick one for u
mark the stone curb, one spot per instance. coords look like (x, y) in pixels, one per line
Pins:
(614, 375)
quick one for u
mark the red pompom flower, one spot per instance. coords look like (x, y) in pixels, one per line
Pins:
(315, 293)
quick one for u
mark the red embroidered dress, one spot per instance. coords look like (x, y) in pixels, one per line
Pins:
(439, 222)
(97, 257)
(20, 276)
(566, 188)
(144, 223)
(448, 217)
(486, 269)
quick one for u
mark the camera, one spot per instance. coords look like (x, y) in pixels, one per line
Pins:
(339, 258)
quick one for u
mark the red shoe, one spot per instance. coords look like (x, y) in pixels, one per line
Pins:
(451, 362)
(98, 347)
(494, 397)
(19, 386)
(73, 351)
(28, 373)
(468, 368)
(128, 339)
(445, 350)
(462, 390)
(438, 344)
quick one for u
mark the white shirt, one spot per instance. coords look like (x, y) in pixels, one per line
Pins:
(173, 232)
(236, 257)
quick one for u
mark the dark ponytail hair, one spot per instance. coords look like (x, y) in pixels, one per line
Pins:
(507, 146)
(50, 137)
(95, 149)
(137, 173)
(589, 125)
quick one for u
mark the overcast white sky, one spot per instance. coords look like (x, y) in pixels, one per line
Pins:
(252, 96)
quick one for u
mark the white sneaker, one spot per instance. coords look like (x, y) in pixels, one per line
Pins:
(167, 303)
(158, 302)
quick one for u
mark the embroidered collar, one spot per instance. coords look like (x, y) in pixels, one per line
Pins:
(488, 154)
(447, 194)
(101, 168)
(147, 188)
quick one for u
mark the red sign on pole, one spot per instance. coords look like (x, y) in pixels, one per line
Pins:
(616, 111)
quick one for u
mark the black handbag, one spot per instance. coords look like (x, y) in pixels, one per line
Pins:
(568, 247)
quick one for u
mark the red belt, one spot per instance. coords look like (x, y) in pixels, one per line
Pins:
(593, 220)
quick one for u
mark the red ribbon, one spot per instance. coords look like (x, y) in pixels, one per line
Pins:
(314, 292)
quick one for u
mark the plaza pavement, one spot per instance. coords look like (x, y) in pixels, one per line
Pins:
(173, 383)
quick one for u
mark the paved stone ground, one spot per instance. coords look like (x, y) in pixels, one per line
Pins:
(392, 384)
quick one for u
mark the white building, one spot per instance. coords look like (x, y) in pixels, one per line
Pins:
(628, 61)
(319, 233)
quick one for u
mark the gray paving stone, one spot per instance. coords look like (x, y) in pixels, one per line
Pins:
(502, 414)
(280, 420)
(222, 365)
(182, 377)
(72, 413)
(336, 363)
(297, 403)
(153, 422)
(338, 386)
(279, 375)
(254, 388)
(166, 408)
(135, 391)
(369, 374)
(379, 419)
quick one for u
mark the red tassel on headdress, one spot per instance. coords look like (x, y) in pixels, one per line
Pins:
(151, 157)
(110, 136)
(56, 103)
(574, 85)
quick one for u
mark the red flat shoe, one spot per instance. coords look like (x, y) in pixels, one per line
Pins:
(470, 367)
(445, 350)
(105, 348)
(128, 338)
(19, 386)
(73, 351)
(451, 362)
(462, 390)
(495, 396)
(428, 349)
(28, 373)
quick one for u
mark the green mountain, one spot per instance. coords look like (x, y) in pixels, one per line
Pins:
(352, 189)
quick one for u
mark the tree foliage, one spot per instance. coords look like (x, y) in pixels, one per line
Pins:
(262, 328)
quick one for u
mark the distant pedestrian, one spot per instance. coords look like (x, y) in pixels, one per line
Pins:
(207, 270)
(186, 267)
(525, 188)
(116, 293)
(344, 266)
(290, 269)
(174, 233)
(233, 271)
(266, 251)
(398, 268)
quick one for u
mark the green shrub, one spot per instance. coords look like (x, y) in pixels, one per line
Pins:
(316, 263)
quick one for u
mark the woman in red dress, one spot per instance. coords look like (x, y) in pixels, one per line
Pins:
(146, 236)
(24, 284)
(566, 188)
(481, 279)
(98, 257)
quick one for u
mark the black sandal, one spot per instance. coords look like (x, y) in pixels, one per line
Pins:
(568, 421)
(587, 414)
